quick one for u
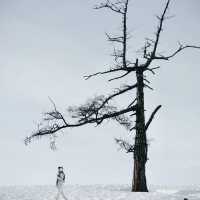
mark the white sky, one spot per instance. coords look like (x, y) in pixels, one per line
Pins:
(46, 47)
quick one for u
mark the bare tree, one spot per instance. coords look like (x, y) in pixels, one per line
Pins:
(100, 108)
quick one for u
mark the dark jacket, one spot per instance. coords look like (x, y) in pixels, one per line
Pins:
(60, 178)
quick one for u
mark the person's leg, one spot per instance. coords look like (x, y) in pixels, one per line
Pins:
(58, 194)
(63, 195)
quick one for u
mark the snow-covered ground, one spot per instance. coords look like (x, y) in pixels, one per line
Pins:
(97, 192)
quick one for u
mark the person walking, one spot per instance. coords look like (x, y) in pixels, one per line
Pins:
(60, 182)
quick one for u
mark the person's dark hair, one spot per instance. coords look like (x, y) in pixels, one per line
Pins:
(60, 167)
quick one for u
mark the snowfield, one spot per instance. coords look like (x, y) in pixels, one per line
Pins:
(97, 192)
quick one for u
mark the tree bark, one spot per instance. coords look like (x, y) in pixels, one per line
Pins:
(140, 147)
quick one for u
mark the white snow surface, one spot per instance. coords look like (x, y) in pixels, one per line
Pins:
(98, 192)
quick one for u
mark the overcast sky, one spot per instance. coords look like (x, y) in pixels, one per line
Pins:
(46, 47)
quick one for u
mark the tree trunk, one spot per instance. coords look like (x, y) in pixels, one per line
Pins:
(140, 147)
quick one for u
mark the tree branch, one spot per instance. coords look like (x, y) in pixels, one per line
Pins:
(159, 29)
(121, 69)
(181, 47)
(127, 88)
(152, 116)
(112, 6)
(118, 39)
(125, 33)
(119, 77)
(55, 127)
(129, 148)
